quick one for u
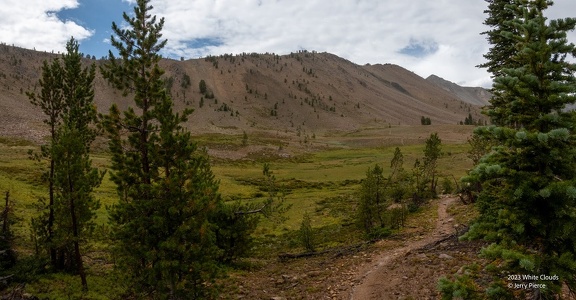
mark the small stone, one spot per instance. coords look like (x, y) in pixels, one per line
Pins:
(445, 256)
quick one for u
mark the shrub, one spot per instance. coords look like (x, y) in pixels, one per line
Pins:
(306, 234)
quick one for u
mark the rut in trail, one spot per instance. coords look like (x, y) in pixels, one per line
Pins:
(376, 279)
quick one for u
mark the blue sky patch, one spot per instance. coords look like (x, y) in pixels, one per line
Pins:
(200, 43)
(97, 16)
(419, 48)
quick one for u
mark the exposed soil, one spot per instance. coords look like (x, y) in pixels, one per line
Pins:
(301, 94)
(413, 269)
(405, 266)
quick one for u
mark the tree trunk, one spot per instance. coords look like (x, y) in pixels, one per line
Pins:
(77, 255)
(52, 249)
(5, 213)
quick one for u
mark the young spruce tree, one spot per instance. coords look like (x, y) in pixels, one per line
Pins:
(528, 198)
(165, 242)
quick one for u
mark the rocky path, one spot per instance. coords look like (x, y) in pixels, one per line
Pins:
(381, 277)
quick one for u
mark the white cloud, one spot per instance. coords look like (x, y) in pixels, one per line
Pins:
(363, 31)
(34, 24)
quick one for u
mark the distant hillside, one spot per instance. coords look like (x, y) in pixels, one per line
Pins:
(305, 91)
(473, 95)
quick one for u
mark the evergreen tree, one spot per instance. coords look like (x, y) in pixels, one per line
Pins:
(372, 199)
(202, 86)
(399, 179)
(7, 253)
(479, 147)
(74, 177)
(501, 13)
(376, 195)
(67, 99)
(306, 233)
(51, 102)
(244, 138)
(528, 182)
(432, 152)
(165, 242)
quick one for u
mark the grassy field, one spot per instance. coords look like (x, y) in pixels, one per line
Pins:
(319, 180)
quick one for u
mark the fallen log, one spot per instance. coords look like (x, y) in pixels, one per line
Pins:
(340, 251)
(286, 256)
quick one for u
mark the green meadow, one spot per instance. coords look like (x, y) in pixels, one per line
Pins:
(306, 179)
(322, 182)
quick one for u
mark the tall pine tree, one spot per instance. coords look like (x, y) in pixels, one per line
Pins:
(501, 14)
(67, 99)
(165, 242)
(74, 176)
(528, 198)
(51, 102)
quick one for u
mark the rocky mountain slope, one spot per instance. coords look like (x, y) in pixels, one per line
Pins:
(473, 95)
(304, 91)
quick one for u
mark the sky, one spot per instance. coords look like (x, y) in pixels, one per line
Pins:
(439, 37)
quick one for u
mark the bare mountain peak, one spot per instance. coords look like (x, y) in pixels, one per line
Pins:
(299, 92)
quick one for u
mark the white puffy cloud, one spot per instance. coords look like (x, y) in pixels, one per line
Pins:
(34, 24)
(427, 37)
(363, 31)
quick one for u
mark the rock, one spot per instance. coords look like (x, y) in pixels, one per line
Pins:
(278, 298)
(445, 256)
(422, 256)
(314, 273)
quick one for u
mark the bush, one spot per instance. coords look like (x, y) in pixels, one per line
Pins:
(447, 186)
(306, 234)
(7, 254)
(379, 233)
(202, 86)
(425, 121)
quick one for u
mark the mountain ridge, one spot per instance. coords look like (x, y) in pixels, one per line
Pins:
(473, 95)
(303, 91)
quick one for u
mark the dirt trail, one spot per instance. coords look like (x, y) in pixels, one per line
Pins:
(376, 278)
